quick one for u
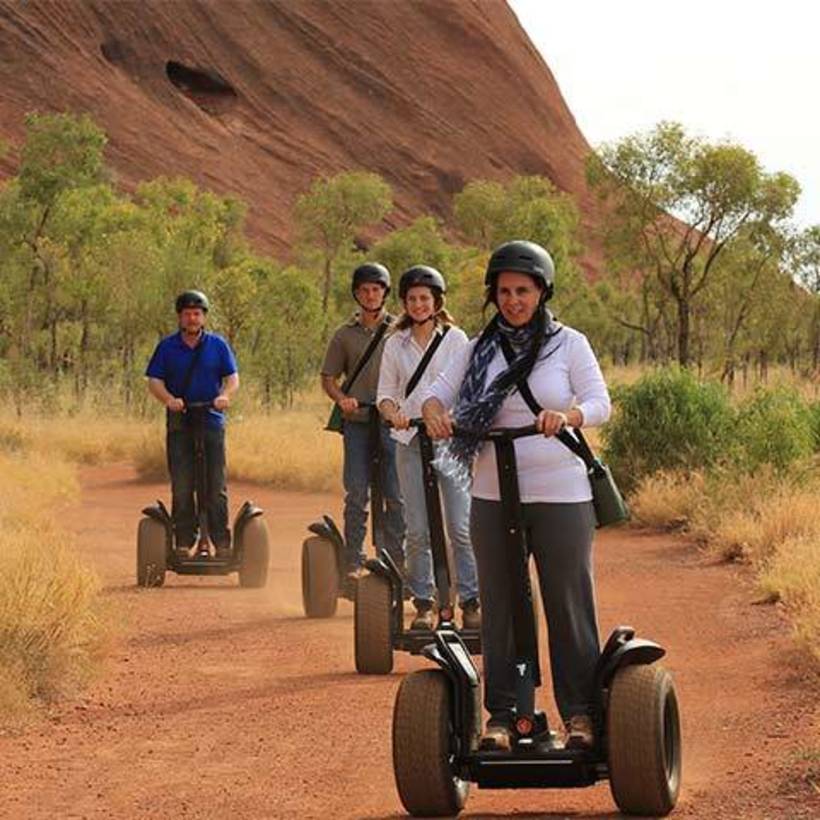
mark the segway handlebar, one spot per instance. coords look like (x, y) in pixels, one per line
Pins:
(497, 433)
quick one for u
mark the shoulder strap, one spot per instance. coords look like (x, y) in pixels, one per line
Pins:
(365, 357)
(425, 360)
(523, 386)
(189, 373)
(574, 440)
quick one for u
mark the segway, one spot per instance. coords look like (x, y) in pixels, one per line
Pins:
(324, 553)
(155, 543)
(380, 595)
(437, 715)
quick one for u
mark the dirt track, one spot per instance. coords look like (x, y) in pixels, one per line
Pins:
(221, 702)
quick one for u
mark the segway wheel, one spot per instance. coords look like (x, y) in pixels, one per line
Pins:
(152, 545)
(423, 746)
(253, 572)
(372, 624)
(320, 578)
(644, 739)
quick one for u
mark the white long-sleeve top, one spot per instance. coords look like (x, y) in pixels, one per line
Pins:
(401, 357)
(547, 470)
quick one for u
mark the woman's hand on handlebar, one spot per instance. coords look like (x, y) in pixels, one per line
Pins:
(399, 420)
(175, 405)
(437, 420)
(550, 422)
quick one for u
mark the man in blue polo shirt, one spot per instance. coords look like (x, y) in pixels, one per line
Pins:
(193, 366)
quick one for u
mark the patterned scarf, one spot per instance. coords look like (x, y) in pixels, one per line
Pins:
(478, 403)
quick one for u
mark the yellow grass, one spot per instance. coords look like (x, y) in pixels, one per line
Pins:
(52, 631)
(768, 521)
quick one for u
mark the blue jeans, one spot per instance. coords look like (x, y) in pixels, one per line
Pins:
(357, 463)
(180, 449)
(457, 519)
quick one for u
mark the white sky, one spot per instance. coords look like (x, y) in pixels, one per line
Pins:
(749, 72)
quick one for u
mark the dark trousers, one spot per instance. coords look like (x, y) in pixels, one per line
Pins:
(180, 449)
(560, 539)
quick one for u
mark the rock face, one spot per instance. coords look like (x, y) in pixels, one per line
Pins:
(255, 97)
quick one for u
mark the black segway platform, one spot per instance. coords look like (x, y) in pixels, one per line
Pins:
(379, 606)
(155, 535)
(638, 740)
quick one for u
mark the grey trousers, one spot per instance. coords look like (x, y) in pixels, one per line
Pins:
(560, 538)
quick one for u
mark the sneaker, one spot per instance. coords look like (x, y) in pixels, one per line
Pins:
(496, 738)
(424, 615)
(580, 732)
(470, 614)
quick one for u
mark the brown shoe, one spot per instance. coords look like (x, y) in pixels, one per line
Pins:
(580, 732)
(424, 615)
(496, 738)
(470, 614)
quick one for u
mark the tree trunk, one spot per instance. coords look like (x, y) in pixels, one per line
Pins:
(684, 323)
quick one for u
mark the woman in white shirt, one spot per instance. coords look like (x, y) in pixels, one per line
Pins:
(425, 322)
(476, 392)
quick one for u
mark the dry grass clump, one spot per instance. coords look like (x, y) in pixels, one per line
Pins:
(766, 520)
(286, 450)
(793, 577)
(52, 629)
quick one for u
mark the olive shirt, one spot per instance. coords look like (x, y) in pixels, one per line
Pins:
(343, 351)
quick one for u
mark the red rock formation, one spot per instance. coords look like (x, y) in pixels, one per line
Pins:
(256, 97)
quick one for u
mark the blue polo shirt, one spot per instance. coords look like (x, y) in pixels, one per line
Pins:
(172, 358)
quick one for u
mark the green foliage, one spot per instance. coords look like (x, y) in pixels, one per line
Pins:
(420, 243)
(773, 427)
(814, 415)
(667, 420)
(717, 191)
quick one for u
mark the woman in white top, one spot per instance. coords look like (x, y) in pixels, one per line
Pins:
(425, 322)
(476, 392)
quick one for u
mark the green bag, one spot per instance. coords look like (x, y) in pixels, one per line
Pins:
(609, 504)
(336, 421)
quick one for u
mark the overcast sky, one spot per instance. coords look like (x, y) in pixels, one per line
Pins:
(747, 71)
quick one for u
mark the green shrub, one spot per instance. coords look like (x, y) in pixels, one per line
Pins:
(667, 420)
(774, 427)
(814, 413)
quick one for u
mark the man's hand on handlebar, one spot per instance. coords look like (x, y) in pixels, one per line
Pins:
(175, 405)
(221, 402)
(550, 422)
(348, 404)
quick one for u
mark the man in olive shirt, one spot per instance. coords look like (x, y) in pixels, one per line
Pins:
(370, 286)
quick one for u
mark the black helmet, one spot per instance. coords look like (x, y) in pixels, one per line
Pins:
(371, 272)
(421, 275)
(523, 257)
(192, 299)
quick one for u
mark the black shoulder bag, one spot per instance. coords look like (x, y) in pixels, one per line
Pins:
(335, 422)
(609, 504)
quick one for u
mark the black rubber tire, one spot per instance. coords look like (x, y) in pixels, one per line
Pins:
(373, 625)
(253, 573)
(320, 578)
(644, 741)
(422, 747)
(152, 553)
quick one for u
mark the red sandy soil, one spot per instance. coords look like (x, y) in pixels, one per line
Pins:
(222, 702)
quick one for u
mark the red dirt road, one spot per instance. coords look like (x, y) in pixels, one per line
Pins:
(221, 702)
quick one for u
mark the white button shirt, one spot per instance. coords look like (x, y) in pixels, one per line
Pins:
(547, 470)
(401, 356)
